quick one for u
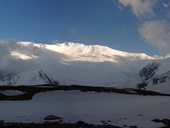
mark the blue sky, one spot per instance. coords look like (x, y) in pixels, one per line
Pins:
(107, 22)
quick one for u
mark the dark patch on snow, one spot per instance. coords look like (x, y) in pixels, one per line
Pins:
(53, 117)
(147, 73)
(166, 122)
(47, 79)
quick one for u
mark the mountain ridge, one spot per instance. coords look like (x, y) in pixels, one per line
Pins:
(75, 63)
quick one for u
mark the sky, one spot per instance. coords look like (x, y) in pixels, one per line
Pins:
(127, 25)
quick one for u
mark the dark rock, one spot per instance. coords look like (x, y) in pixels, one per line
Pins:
(53, 117)
(2, 122)
(164, 121)
(80, 123)
(124, 125)
(140, 114)
(133, 127)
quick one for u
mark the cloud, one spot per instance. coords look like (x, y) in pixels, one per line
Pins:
(4, 52)
(11, 63)
(139, 7)
(154, 32)
(165, 4)
(157, 33)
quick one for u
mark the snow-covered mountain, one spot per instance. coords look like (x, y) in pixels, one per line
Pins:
(27, 63)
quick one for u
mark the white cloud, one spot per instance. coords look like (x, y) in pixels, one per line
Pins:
(140, 7)
(157, 33)
(9, 60)
(154, 32)
(165, 4)
(4, 52)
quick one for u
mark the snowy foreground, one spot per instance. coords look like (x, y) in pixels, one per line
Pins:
(91, 107)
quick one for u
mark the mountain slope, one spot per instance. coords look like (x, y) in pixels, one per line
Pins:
(75, 63)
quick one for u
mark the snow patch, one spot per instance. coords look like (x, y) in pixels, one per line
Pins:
(12, 92)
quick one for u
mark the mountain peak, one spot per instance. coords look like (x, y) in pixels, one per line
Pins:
(79, 52)
(69, 44)
(96, 52)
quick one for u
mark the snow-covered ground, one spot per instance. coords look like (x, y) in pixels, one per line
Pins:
(12, 92)
(90, 107)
